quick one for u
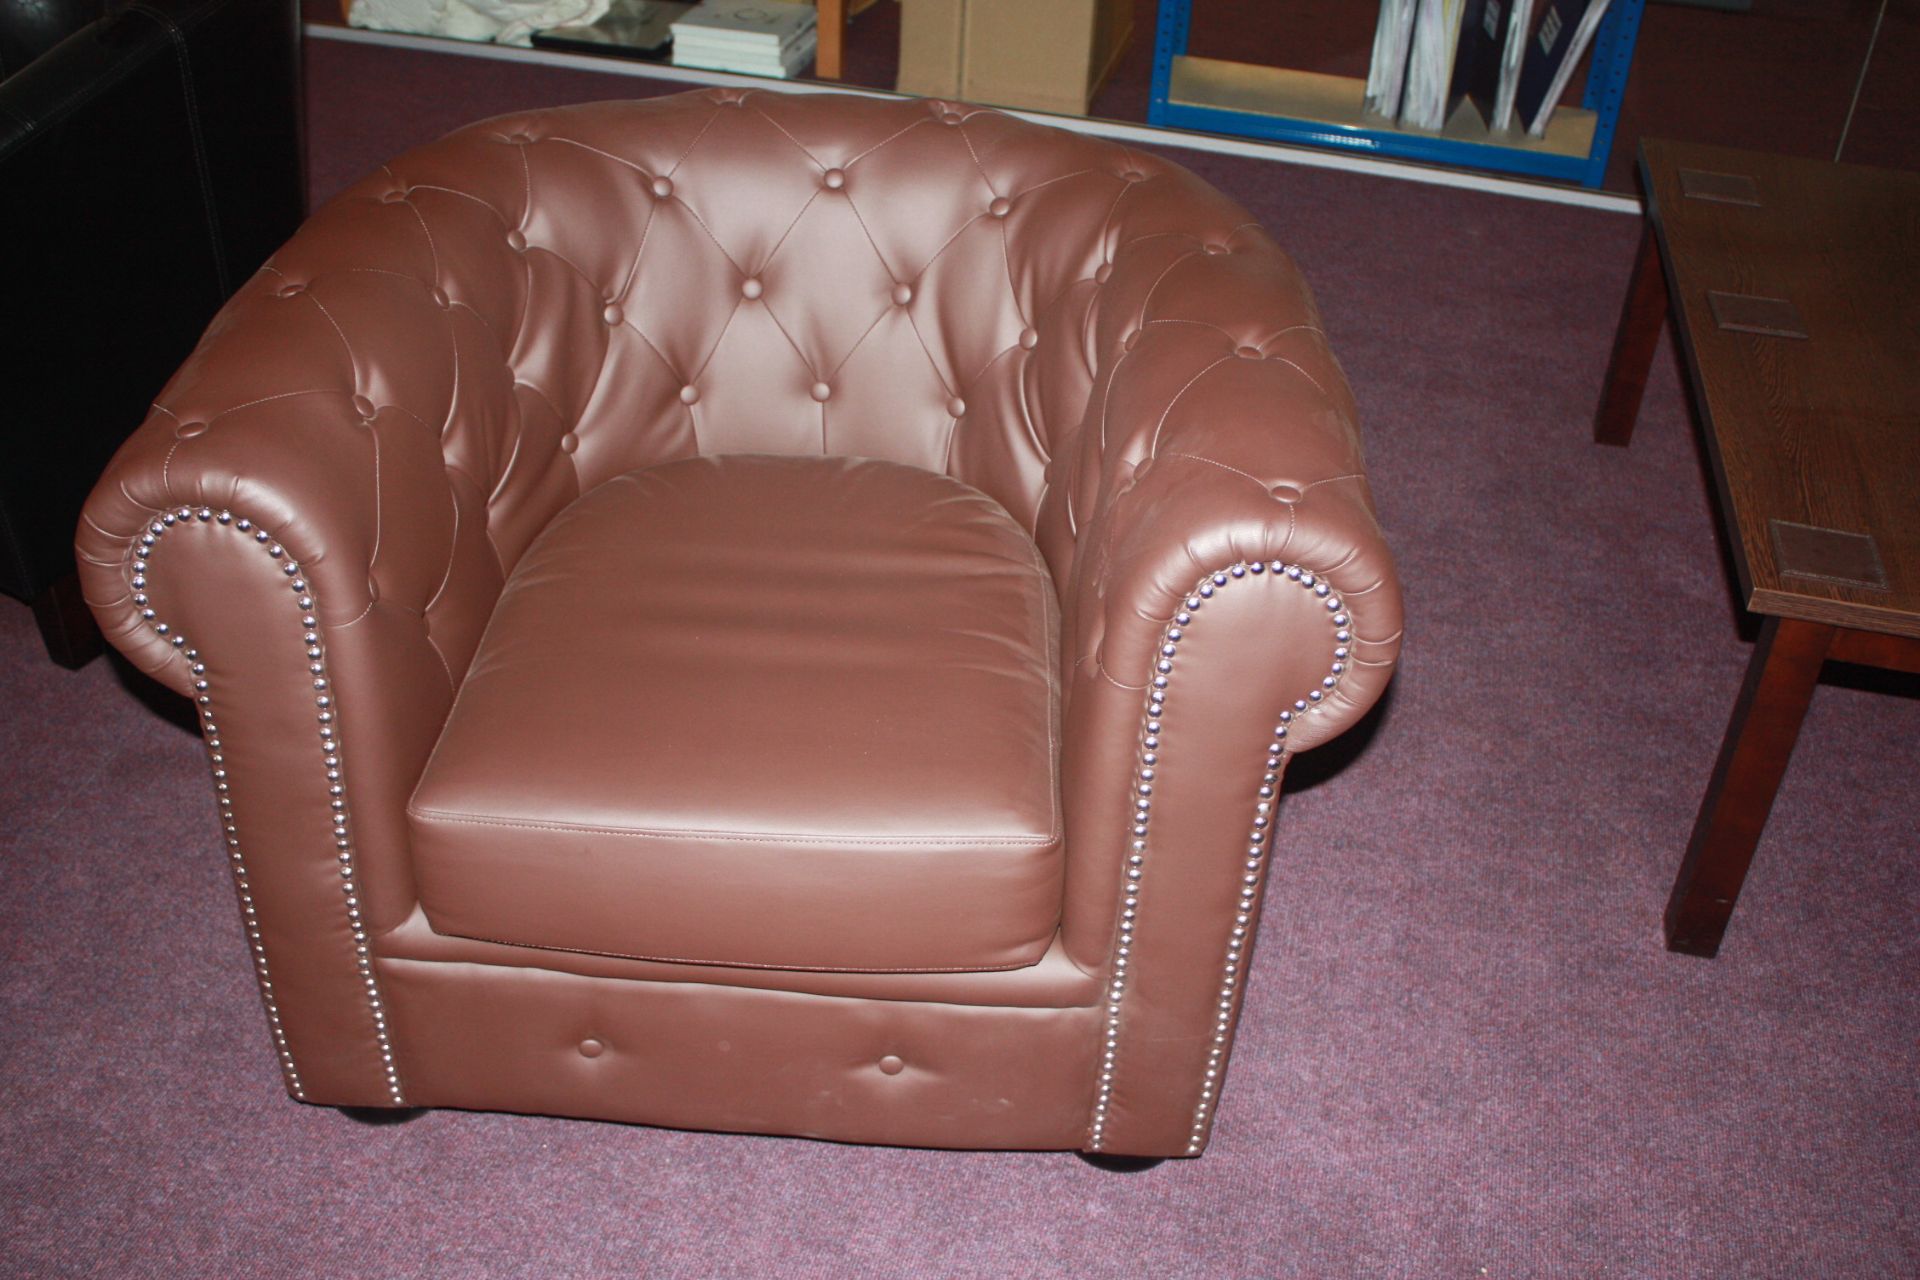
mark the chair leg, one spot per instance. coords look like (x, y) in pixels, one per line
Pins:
(378, 1117)
(1120, 1164)
(67, 627)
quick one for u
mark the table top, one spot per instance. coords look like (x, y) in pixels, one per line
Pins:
(1795, 289)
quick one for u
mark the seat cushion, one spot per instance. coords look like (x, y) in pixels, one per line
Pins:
(751, 710)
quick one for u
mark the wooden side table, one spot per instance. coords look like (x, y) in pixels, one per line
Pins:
(1795, 286)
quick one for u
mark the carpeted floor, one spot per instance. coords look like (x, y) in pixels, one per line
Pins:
(1465, 1052)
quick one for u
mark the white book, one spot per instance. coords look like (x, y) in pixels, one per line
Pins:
(781, 64)
(1386, 74)
(1518, 24)
(760, 49)
(1436, 33)
(752, 22)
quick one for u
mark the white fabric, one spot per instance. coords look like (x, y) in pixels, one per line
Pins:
(501, 21)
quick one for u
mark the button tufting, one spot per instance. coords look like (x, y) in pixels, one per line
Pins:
(612, 314)
(569, 442)
(1215, 250)
(1029, 339)
(820, 391)
(952, 117)
(1131, 341)
(1103, 272)
(440, 299)
(751, 287)
(902, 294)
(689, 394)
(999, 207)
(833, 179)
(188, 430)
(1133, 175)
(290, 291)
(363, 406)
(1250, 353)
(1288, 493)
(394, 197)
(591, 1048)
(373, 591)
(662, 188)
(516, 241)
(892, 1065)
(956, 408)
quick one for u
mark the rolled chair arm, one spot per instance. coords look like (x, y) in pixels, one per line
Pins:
(1232, 602)
(245, 548)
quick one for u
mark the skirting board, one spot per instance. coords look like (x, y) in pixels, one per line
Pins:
(1119, 130)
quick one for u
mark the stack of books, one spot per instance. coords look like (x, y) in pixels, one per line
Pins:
(754, 37)
(1428, 55)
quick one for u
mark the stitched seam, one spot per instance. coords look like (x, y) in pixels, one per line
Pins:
(738, 964)
(692, 833)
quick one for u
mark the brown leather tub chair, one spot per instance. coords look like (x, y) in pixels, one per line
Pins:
(759, 612)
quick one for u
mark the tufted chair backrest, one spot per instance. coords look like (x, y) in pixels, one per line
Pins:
(617, 285)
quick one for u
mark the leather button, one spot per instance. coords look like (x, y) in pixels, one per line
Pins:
(1029, 339)
(689, 394)
(363, 406)
(591, 1048)
(373, 592)
(1288, 493)
(612, 314)
(290, 291)
(833, 179)
(902, 295)
(188, 430)
(394, 197)
(1215, 250)
(1250, 353)
(1000, 206)
(516, 241)
(662, 188)
(952, 117)
(956, 408)
(569, 442)
(751, 288)
(1131, 341)
(1103, 273)
(891, 1065)
(1133, 175)
(820, 391)
(440, 299)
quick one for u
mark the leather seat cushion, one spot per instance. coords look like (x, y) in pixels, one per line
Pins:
(796, 712)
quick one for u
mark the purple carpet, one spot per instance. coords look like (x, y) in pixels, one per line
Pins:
(1465, 1051)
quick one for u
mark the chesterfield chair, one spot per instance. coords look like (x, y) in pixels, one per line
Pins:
(767, 613)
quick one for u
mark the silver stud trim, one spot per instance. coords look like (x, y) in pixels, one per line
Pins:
(1145, 770)
(337, 805)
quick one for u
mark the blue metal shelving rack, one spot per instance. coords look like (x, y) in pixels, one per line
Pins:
(1612, 54)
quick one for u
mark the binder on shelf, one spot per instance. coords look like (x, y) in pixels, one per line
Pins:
(1492, 36)
(1387, 72)
(1565, 30)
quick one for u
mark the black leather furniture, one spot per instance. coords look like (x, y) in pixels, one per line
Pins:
(150, 160)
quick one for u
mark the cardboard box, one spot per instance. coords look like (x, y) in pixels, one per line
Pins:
(1042, 55)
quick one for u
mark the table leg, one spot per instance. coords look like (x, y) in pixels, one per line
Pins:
(1641, 320)
(1753, 758)
(829, 60)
